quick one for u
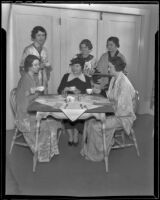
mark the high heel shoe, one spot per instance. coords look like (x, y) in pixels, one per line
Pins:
(70, 143)
(75, 143)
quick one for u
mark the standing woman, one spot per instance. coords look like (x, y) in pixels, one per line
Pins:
(38, 36)
(27, 91)
(112, 53)
(85, 48)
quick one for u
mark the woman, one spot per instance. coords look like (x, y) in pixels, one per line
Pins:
(122, 93)
(27, 91)
(81, 82)
(38, 36)
(102, 65)
(85, 48)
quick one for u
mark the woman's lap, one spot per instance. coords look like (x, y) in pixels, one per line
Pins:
(113, 122)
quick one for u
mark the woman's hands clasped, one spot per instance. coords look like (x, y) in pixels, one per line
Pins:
(71, 89)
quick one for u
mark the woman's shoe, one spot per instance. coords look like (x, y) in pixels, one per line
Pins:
(76, 143)
(70, 143)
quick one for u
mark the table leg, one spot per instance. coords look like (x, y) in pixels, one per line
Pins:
(104, 142)
(35, 157)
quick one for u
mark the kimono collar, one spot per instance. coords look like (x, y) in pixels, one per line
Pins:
(119, 77)
(72, 76)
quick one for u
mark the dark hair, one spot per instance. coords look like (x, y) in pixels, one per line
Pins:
(29, 61)
(118, 63)
(87, 43)
(115, 40)
(35, 31)
(79, 61)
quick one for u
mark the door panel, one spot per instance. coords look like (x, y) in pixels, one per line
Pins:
(74, 30)
(127, 29)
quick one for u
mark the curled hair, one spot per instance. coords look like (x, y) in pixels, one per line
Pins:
(35, 31)
(87, 43)
(118, 63)
(29, 61)
(115, 40)
(77, 60)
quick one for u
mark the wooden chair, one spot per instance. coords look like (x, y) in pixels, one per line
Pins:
(120, 136)
(17, 133)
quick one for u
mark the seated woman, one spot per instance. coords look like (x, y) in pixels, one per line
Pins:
(122, 93)
(81, 82)
(27, 91)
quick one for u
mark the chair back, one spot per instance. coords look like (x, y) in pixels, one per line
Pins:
(135, 101)
(13, 101)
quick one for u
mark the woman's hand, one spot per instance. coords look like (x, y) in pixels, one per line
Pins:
(33, 90)
(96, 89)
(77, 91)
(66, 89)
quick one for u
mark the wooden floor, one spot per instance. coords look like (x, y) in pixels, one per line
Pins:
(70, 175)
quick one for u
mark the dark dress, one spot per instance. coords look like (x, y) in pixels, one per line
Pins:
(80, 85)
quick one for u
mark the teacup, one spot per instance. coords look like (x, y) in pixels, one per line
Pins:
(89, 90)
(40, 88)
(70, 99)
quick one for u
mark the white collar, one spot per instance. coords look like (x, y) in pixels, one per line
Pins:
(72, 76)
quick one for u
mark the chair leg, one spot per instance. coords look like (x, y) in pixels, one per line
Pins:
(135, 142)
(123, 138)
(35, 159)
(13, 141)
(106, 162)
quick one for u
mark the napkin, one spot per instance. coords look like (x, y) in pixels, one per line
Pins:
(73, 110)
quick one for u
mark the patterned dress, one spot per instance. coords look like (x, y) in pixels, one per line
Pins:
(122, 93)
(26, 122)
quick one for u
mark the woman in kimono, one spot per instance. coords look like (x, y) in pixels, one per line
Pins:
(27, 91)
(85, 48)
(102, 65)
(122, 93)
(81, 82)
(38, 36)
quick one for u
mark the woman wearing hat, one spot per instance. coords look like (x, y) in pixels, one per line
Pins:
(81, 82)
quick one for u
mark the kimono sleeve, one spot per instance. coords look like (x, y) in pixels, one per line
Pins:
(45, 59)
(26, 86)
(124, 110)
(124, 101)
